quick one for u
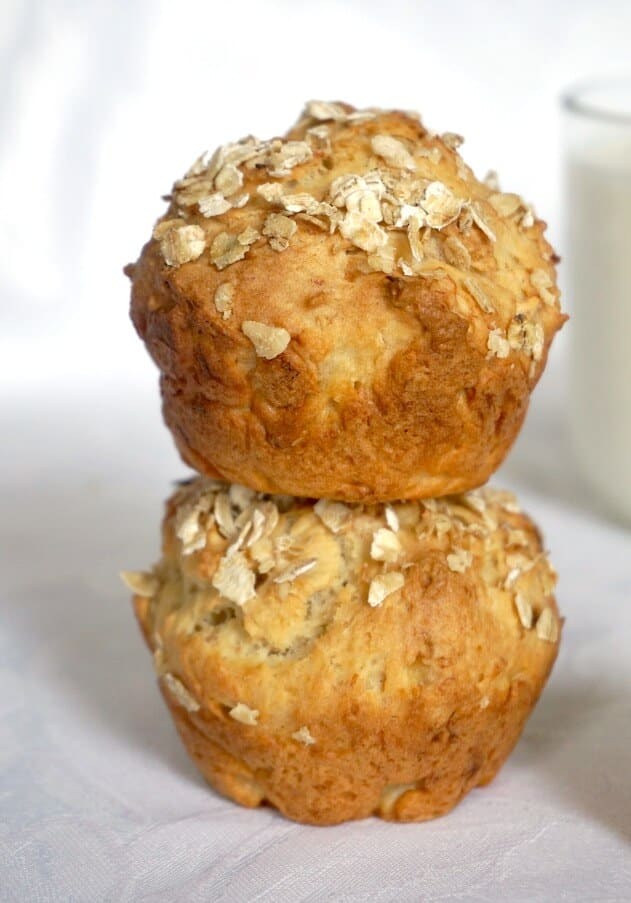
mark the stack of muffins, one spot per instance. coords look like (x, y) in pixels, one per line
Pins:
(348, 326)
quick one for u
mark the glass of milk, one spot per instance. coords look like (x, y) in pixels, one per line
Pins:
(597, 126)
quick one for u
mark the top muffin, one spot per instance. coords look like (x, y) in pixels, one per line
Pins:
(346, 312)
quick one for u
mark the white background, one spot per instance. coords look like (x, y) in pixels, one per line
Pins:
(102, 104)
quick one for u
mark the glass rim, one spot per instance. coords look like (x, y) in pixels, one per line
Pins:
(573, 99)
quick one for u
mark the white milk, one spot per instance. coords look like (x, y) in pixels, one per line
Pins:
(598, 261)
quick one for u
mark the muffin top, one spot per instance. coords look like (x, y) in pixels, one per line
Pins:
(358, 193)
(284, 607)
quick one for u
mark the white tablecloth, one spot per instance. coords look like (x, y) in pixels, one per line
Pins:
(98, 801)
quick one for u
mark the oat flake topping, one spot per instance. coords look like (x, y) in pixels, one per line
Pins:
(393, 151)
(179, 243)
(547, 627)
(524, 611)
(234, 579)
(386, 545)
(143, 583)
(180, 693)
(303, 735)
(403, 220)
(459, 560)
(239, 527)
(243, 713)
(296, 570)
(383, 586)
(498, 344)
(268, 341)
(224, 296)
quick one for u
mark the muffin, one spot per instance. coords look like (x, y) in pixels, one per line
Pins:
(340, 661)
(349, 293)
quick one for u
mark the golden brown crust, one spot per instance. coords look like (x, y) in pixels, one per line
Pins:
(396, 358)
(338, 662)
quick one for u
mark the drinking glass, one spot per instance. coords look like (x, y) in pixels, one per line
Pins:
(597, 140)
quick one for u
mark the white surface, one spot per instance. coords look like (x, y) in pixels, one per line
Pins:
(100, 105)
(98, 799)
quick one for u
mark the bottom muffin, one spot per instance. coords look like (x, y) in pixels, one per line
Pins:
(340, 661)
